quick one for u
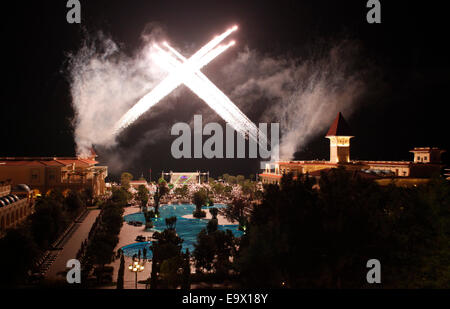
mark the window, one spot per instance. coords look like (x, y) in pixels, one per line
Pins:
(34, 175)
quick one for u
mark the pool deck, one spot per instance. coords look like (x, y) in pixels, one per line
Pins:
(128, 235)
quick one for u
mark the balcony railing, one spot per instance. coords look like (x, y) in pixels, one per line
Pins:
(4, 190)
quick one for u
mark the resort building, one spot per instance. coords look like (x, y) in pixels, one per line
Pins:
(16, 204)
(427, 160)
(136, 183)
(42, 174)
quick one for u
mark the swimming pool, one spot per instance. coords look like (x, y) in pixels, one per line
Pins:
(187, 229)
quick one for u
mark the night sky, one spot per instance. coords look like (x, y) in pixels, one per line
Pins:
(408, 49)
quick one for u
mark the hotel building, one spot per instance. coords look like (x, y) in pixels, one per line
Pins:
(42, 174)
(427, 160)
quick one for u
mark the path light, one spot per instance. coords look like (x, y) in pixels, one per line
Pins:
(136, 267)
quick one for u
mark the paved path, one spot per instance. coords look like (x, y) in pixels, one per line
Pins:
(72, 246)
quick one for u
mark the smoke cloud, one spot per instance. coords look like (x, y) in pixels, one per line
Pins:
(302, 94)
(105, 83)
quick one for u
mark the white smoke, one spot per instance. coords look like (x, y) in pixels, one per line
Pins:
(105, 83)
(303, 95)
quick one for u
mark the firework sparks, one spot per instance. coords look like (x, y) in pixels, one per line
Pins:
(187, 72)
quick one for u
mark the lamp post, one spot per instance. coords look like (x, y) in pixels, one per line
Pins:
(136, 267)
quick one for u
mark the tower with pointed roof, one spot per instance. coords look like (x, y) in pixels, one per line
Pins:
(339, 135)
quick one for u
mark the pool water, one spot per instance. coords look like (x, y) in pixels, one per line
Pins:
(187, 229)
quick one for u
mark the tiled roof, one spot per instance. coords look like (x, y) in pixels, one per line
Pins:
(71, 161)
(88, 161)
(21, 163)
(138, 181)
(339, 127)
(52, 163)
(46, 161)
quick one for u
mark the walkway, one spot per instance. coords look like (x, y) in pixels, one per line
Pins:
(70, 248)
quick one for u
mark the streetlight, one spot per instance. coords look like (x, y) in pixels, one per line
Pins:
(136, 267)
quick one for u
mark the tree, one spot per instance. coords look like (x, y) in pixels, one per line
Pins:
(88, 195)
(323, 238)
(204, 252)
(248, 188)
(225, 177)
(225, 248)
(199, 199)
(161, 190)
(186, 277)
(74, 202)
(240, 179)
(212, 225)
(214, 212)
(167, 259)
(232, 180)
(218, 188)
(182, 191)
(101, 248)
(170, 271)
(213, 250)
(18, 253)
(121, 273)
(104, 238)
(120, 196)
(56, 194)
(48, 221)
(125, 180)
(148, 218)
(171, 222)
(237, 210)
(142, 196)
(227, 190)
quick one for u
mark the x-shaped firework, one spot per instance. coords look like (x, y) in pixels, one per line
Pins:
(187, 72)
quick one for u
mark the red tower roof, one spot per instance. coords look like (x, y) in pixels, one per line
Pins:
(339, 127)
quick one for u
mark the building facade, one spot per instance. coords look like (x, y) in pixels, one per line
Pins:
(16, 204)
(427, 160)
(42, 174)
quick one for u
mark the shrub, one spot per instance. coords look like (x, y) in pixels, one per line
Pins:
(199, 214)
